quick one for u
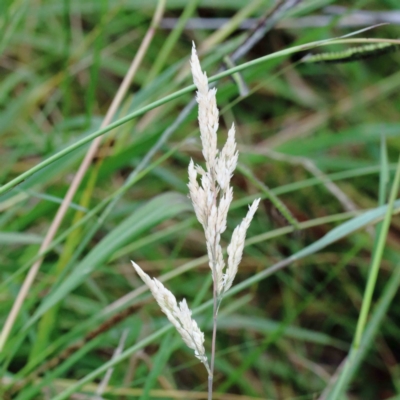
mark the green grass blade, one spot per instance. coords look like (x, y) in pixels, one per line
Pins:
(344, 380)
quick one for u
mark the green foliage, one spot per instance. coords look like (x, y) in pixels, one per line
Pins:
(315, 140)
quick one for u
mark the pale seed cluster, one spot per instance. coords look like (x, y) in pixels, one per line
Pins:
(180, 316)
(213, 196)
(211, 200)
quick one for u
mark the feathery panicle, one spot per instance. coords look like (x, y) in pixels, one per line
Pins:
(212, 199)
(235, 248)
(180, 316)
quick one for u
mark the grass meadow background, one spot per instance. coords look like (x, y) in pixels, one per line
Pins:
(318, 142)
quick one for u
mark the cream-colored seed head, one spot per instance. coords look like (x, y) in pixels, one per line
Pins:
(180, 316)
(212, 199)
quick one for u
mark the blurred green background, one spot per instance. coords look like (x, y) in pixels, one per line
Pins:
(318, 142)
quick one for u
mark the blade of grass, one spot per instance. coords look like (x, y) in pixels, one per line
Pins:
(344, 378)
